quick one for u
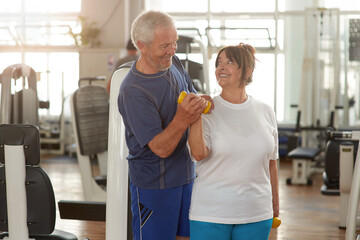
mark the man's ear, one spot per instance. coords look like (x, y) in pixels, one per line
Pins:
(141, 45)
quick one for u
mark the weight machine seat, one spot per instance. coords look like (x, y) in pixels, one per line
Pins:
(304, 153)
(41, 210)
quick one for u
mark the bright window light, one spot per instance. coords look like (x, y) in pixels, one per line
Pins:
(176, 6)
(57, 75)
(9, 58)
(52, 6)
(263, 84)
(242, 6)
(10, 6)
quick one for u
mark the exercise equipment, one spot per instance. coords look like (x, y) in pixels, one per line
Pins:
(304, 157)
(183, 95)
(320, 85)
(82, 210)
(354, 40)
(19, 106)
(352, 210)
(320, 91)
(118, 214)
(341, 154)
(276, 222)
(27, 201)
(90, 118)
(116, 210)
(331, 175)
(193, 56)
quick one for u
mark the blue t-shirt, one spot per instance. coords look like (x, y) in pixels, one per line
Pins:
(148, 103)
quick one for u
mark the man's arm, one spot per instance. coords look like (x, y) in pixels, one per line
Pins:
(187, 112)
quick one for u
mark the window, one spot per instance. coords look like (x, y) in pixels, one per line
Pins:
(42, 42)
(230, 22)
(242, 6)
(176, 6)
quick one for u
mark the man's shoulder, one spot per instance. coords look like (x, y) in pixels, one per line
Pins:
(128, 80)
(126, 59)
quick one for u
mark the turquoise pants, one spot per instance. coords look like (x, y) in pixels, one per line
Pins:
(215, 231)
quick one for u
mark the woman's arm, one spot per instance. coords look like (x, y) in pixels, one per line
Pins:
(196, 141)
(274, 186)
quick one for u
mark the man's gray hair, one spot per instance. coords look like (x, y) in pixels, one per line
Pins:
(144, 26)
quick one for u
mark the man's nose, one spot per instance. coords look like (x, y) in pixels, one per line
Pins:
(172, 49)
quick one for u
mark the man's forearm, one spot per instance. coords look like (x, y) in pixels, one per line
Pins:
(165, 142)
(188, 112)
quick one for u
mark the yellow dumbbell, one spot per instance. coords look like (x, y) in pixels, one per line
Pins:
(182, 96)
(276, 222)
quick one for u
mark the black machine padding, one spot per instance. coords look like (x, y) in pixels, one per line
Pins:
(40, 201)
(40, 198)
(304, 153)
(91, 107)
(26, 135)
(332, 156)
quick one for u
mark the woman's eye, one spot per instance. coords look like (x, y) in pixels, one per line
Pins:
(230, 62)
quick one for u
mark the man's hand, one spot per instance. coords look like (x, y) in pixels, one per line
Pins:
(190, 108)
(208, 98)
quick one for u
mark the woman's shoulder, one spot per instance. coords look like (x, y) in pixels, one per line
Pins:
(260, 103)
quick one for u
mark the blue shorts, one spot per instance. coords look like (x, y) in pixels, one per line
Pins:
(160, 214)
(216, 231)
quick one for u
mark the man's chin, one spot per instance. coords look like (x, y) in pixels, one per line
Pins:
(165, 66)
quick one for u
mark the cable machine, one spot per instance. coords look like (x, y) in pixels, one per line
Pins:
(320, 84)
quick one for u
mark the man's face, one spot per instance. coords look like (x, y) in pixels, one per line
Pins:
(159, 53)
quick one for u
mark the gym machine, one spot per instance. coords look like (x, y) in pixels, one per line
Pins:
(189, 49)
(21, 106)
(118, 213)
(341, 154)
(319, 90)
(90, 117)
(27, 201)
(353, 184)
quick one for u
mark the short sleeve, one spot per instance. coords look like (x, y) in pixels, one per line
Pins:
(206, 131)
(143, 119)
(275, 153)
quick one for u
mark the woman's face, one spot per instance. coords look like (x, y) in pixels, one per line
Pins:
(227, 72)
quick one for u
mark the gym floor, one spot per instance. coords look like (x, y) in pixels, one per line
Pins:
(305, 212)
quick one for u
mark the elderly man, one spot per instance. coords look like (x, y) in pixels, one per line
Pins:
(160, 168)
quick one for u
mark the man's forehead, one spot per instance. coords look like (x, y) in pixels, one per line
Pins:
(165, 35)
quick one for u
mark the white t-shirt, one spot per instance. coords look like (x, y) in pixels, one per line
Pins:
(233, 184)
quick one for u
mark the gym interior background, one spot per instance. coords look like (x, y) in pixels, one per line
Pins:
(308, 71)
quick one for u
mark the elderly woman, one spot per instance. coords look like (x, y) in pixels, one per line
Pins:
(235, 195)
